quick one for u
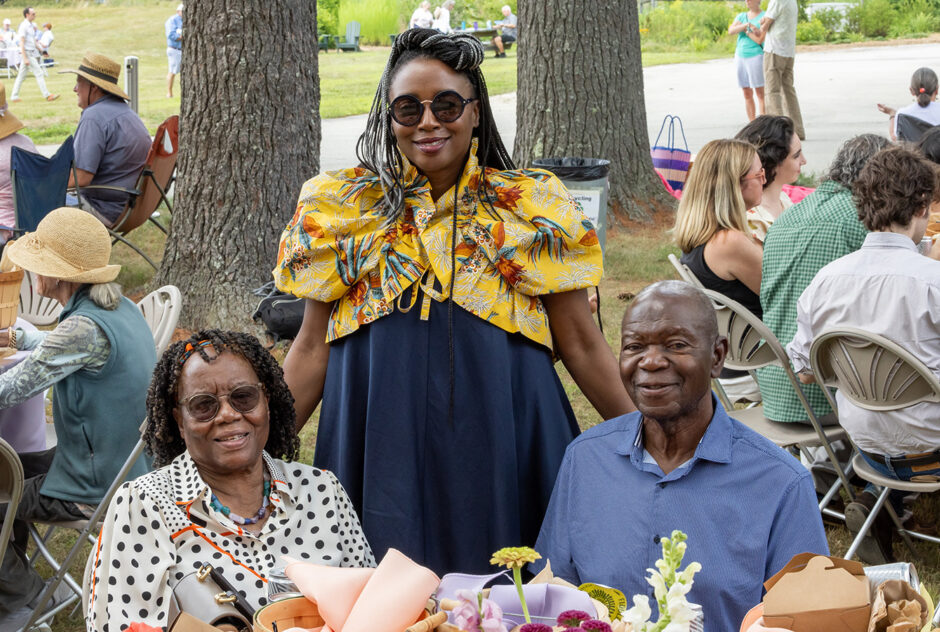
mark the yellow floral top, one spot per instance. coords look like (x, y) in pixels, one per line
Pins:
(529, 238)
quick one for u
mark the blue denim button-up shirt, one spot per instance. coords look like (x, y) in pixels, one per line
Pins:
(746, 505)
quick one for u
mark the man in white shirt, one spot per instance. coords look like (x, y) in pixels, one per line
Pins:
(29, 52)
(887, 287)
(779, 50)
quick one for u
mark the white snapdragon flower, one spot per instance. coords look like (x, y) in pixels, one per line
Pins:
(639, 615)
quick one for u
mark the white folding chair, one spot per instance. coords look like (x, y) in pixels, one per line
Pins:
(161, 309)
(876, 374)
(732, 389)
(685, 273)
(36, 309)
(87, 532)
(11, 490)
(751, 345)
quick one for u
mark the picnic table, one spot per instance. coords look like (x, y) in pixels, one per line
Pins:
(484, 35)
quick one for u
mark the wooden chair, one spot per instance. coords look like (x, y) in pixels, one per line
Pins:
(876, 374)
(161, 309)
(11, 490)
(751, 345)
(152, 186)
(351, 41)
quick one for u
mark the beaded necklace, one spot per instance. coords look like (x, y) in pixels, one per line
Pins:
(215, 504)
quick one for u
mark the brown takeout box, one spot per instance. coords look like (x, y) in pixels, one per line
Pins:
(815, 593)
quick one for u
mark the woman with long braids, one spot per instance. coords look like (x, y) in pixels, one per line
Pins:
(442, 413)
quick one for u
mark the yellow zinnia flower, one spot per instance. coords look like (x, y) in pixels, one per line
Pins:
(514, 557)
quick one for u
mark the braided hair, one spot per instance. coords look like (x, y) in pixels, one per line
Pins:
(162, 435)
(377, 148)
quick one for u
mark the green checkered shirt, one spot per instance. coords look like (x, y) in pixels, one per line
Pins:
(818, 230)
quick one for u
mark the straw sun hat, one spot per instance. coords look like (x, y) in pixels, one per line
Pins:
(69, 244)
(8, 122)
(101, 71)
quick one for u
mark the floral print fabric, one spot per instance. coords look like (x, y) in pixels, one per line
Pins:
(525, 237)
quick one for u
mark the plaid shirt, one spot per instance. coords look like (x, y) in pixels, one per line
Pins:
(818, 230)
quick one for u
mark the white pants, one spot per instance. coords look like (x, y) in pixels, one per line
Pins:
(37, 72)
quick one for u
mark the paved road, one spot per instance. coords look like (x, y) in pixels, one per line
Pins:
(838, 89)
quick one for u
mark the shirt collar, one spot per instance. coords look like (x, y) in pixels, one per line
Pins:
(889, 240)
(715, 444)
(188, 485)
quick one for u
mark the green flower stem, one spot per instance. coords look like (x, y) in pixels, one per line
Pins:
(517, 578)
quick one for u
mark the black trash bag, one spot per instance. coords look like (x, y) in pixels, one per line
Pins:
(280, 314)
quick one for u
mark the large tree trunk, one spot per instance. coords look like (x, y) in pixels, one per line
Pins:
(249, 137)
(581, 94)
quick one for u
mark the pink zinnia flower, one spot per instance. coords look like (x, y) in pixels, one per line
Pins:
(572, 618)
(593, 625)
(535, 627)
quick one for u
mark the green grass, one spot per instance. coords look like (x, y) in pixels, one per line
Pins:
(348, 80)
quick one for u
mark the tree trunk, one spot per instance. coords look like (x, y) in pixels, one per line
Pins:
(580, 93)
(249, 137)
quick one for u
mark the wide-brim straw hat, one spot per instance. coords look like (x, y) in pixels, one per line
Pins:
(8, 123)
(101, 71)
(69, 244)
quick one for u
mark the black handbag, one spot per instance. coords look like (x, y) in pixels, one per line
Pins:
(280, 314)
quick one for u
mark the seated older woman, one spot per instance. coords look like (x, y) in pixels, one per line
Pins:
(98, 360)
(221, 418)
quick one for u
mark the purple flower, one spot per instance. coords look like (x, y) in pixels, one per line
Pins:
(593, 625)
(466, 616)
(535, 627)
(572, 618)
(492, 617)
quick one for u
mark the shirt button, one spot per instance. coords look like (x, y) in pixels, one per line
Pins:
(662, 485)
(656, 539)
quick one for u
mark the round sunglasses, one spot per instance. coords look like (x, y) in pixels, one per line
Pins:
(205, 406)
(447, 107)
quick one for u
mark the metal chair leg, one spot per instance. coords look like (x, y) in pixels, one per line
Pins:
(120, 238)
(900, 528)
(869, 521)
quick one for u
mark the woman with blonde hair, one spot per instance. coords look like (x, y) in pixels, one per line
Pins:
(711, 224)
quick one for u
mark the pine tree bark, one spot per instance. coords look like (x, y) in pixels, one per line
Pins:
(249, 137)
(580, 93)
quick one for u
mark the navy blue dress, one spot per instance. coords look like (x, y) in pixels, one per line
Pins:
(446, 493)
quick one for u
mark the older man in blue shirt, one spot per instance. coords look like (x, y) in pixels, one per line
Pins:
(678, 463)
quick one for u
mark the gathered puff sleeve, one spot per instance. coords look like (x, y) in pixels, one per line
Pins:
(543, 243)
(131, 567)
(330, 243)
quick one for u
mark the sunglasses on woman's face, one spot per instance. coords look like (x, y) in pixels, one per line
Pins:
(205, 406)
(447, 107)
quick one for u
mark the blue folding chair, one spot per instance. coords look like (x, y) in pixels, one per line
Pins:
(39, 184)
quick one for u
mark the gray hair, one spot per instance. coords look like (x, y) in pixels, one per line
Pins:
(704, 309)
(853, 156)
(105, 295)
